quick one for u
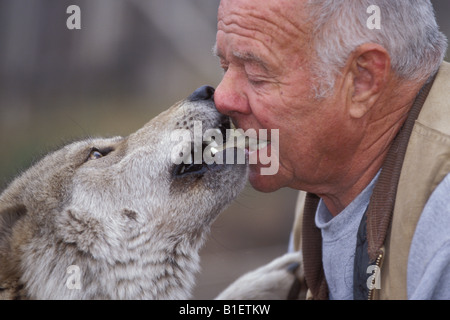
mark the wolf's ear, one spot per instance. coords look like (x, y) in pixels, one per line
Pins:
(8, 218)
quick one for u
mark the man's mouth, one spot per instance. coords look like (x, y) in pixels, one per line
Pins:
(237, 138)
(224, 144)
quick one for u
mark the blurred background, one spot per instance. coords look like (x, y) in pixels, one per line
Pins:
(130, 60)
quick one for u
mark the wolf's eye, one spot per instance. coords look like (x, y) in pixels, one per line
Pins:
(95, 154)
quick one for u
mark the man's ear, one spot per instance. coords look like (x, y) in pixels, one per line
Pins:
(368, 73)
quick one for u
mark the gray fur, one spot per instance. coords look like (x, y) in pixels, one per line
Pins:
(131, 227)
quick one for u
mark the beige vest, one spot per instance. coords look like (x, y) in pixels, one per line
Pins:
(427, 162)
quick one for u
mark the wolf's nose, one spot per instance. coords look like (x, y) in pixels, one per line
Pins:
(202, 93)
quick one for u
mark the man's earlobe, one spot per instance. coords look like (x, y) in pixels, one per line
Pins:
(369, 69)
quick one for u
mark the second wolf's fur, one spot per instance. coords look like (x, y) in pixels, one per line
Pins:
(117, 211)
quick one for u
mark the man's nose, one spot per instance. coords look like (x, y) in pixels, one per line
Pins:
(229, 97)
(202, 93)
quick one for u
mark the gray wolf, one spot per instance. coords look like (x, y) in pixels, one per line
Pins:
(115, 218)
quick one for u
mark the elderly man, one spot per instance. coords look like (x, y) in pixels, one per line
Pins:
(363, 113)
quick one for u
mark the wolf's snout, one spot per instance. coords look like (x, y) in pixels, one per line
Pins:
(202, 93)
(121, 210)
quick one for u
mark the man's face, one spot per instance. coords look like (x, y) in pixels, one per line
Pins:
(264, 49)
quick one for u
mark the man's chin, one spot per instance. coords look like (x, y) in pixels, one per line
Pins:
(264, 183)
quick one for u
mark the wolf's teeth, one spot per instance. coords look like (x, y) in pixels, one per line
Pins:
(250, 143)
(214, 150)
(262, 144)
(237, 139)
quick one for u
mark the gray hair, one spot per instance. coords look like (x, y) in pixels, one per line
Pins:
(409, 33)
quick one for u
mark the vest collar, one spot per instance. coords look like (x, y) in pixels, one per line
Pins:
(379, 211)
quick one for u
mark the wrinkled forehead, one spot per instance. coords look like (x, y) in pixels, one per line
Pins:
(286, 18)
(276, 29)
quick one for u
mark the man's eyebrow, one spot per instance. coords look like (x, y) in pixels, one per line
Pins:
(248, 56)
(244, 56)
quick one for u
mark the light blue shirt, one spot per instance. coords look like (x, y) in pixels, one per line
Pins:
(428, 273)
(339, 242)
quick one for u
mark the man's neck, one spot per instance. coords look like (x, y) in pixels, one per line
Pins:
(383, 124)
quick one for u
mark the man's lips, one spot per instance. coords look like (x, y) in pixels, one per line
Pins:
(237, 138)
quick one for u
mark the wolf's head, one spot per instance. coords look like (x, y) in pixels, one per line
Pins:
(126, 211)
